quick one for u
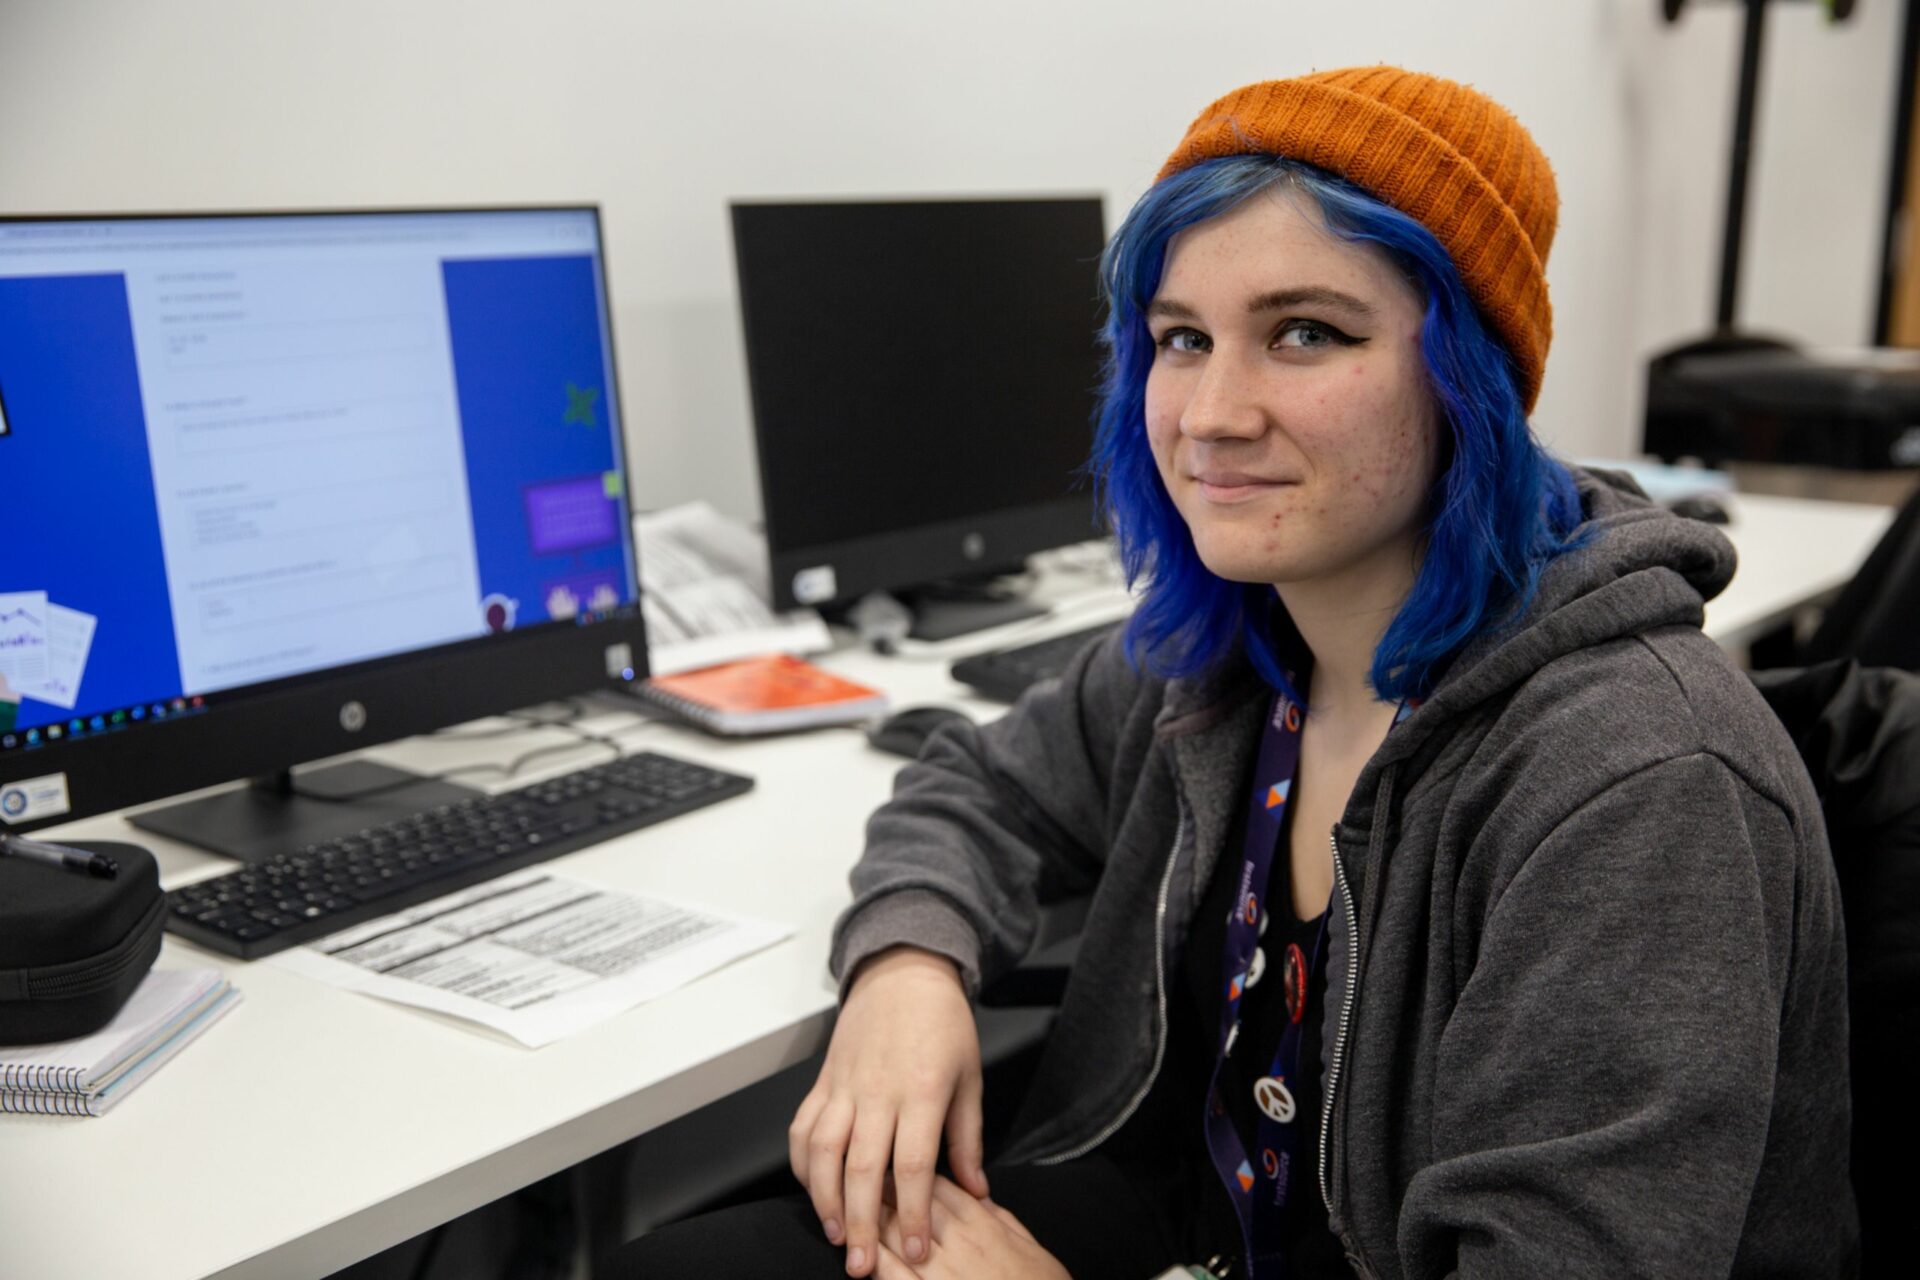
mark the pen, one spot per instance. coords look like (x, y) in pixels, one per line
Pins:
(91, 864)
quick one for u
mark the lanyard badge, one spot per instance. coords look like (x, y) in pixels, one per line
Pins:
(1261, 1183)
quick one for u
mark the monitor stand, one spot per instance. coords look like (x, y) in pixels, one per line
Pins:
(267, 816)
(959, 606)
(936, 618)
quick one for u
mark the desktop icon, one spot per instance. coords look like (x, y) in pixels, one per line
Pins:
(179, 705)
(33, 737)
(159, 711)
(498, 611)
(53, 731)
(580, 406)
(119, 717)
(138, 713)
(77, 726)
(99, 722)
(199, 702)
(9, 741)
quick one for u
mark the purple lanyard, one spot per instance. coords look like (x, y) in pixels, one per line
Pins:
(1260, 1193)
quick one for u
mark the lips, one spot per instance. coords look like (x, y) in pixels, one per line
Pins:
(1232, 479)
(1235, 486)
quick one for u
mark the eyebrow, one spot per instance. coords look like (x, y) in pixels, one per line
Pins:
(1275, 300)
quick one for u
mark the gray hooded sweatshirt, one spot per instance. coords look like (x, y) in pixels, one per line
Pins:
(1586, 1000)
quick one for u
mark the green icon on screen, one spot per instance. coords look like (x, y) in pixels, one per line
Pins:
(581, 406)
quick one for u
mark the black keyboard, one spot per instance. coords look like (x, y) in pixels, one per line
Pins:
(304, 894)
(1004, 674)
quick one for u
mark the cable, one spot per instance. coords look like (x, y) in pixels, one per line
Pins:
(424, 1263)
(524, 722)
(397, 784)
(521, 719)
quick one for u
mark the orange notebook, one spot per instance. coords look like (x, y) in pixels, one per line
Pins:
(764, 695)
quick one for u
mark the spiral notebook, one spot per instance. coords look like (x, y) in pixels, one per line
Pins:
(89, 1076)
(763, 695)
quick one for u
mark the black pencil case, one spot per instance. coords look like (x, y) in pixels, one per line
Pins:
(74, 947)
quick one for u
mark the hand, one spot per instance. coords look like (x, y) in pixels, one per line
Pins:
(903, 1065)
(971, 1238)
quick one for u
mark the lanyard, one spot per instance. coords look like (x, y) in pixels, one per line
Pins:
(1261, 1186)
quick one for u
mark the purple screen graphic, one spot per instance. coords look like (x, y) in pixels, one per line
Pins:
(571, 515)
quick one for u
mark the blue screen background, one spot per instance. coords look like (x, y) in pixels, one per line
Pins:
(77, 487)
(76, 483)
(524, 331)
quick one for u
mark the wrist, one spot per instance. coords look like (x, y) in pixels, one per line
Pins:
(904, 959)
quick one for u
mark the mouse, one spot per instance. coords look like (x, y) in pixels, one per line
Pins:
(1702, 506)
(906, 730)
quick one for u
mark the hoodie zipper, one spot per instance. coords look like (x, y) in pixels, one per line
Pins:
(1335, 1059)
(1160, 1025)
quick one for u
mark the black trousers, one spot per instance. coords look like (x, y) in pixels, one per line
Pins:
(1104, 1218)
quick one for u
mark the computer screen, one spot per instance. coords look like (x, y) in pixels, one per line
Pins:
(924, 375)
(279, 486)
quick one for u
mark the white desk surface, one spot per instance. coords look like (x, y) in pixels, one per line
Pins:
(314, 1127)
(1793, 552)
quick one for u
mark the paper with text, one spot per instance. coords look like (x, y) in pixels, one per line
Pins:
(23, 640)
(536, 956)
(69, 641)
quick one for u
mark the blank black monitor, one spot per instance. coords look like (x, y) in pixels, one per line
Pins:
(924, 377)
(282, 486)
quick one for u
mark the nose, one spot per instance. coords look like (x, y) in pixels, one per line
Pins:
(1224, 404)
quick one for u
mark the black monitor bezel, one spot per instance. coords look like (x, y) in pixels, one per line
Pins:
(894, 559)
(262, 729)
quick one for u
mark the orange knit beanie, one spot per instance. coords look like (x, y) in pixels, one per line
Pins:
(1443, 154)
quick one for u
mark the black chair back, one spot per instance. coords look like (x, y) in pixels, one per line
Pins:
(1876, 618)
(1858, 729)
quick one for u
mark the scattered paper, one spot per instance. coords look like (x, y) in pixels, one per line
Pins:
(69, 641)
(705, 593)
(43, 647)
(23, 640)
(535, 956)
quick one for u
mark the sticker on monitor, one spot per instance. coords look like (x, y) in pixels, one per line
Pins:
(31, 799)
(815, 585)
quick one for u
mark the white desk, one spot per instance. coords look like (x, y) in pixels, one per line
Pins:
(314, 1127)
(1793, 552)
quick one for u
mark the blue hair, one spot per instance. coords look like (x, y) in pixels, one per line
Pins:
(1500, 509)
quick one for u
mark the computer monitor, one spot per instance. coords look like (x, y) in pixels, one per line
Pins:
(924, 377)
(282, 486)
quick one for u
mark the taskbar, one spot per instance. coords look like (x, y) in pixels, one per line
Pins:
(96, 723)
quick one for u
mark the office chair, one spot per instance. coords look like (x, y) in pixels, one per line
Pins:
(1874, 619)
(1858, 729)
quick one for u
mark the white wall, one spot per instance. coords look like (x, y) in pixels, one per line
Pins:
(1818, 187)
(661, 112)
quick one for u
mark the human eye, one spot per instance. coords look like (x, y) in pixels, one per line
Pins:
(1183, 340)
(1310, 335)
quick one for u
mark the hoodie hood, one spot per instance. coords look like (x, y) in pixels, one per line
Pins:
(1639, 568)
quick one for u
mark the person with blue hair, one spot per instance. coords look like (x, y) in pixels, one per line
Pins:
(1455, 906)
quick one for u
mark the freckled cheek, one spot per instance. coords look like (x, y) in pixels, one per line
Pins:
(1163, 434)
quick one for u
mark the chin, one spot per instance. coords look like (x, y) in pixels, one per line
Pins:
(1239, 563)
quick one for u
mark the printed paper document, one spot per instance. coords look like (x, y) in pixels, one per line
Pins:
(535, 955)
